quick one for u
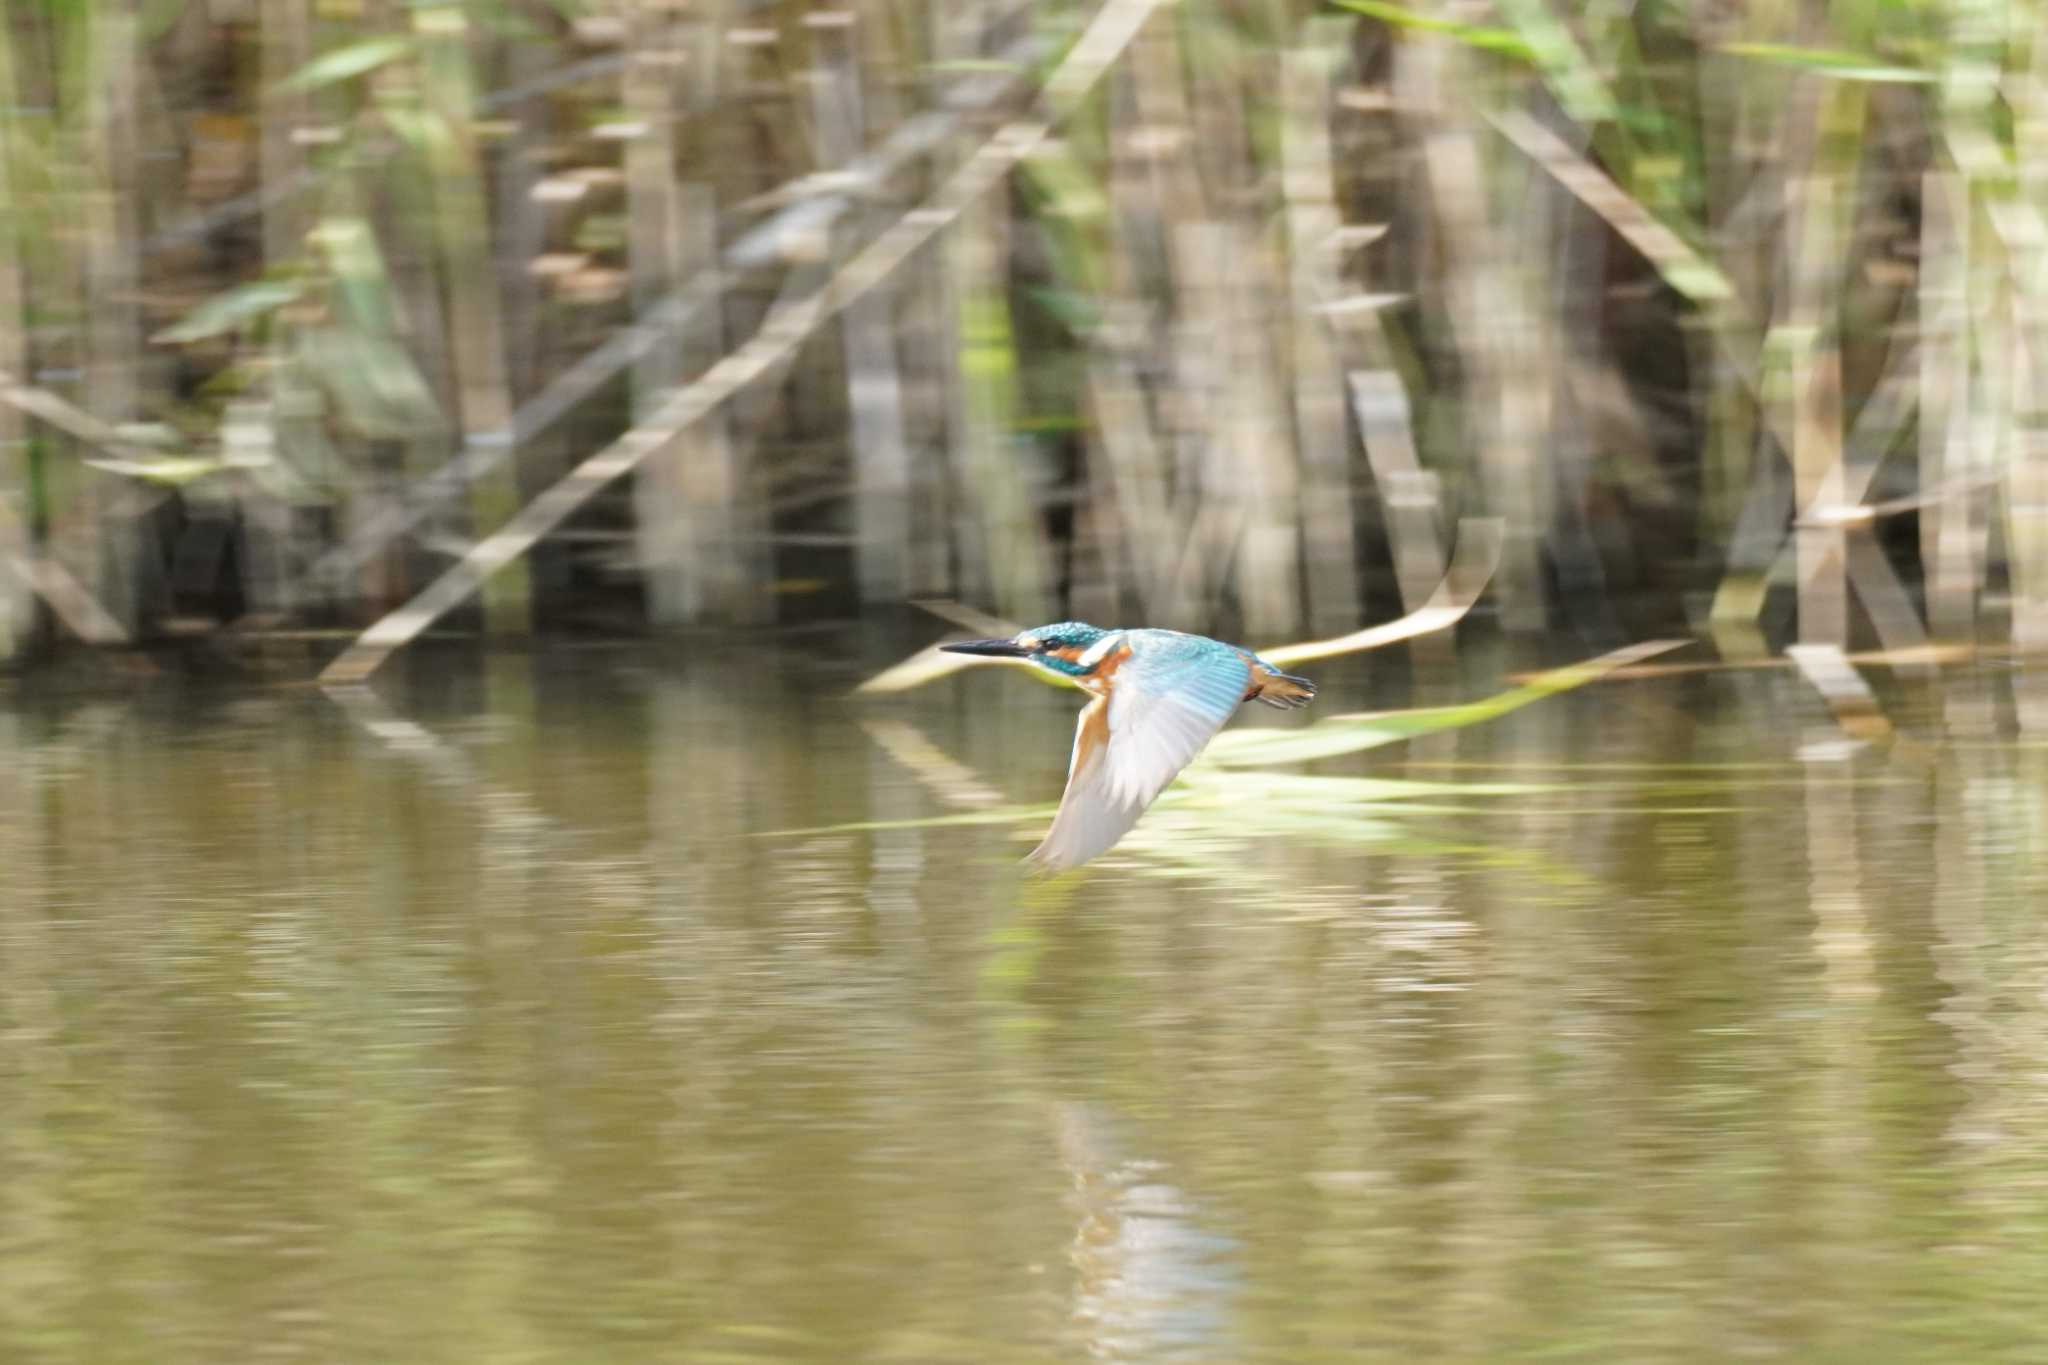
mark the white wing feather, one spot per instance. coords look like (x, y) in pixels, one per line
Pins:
(1166, 702)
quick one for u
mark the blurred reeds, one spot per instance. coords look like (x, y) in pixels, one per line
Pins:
(301, 301)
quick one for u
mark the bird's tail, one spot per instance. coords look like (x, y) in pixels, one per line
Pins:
(1286, 691)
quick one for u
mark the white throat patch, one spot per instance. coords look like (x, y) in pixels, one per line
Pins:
(1099, 651)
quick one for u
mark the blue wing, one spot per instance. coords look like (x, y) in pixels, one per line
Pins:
(1166, 700)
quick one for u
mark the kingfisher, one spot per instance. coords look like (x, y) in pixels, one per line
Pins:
(1160, 695)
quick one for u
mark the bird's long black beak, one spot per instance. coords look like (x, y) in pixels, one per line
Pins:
(993, 649)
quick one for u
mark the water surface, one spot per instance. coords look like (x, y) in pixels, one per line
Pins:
(480, 1024)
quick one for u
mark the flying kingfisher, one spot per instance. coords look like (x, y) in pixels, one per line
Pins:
(1159, 697)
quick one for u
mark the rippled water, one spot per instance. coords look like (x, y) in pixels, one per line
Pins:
(481, 1024)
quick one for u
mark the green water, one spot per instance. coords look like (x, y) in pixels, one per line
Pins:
(479, 1025)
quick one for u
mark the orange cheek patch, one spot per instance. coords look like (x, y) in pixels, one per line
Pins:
(1115, 660)
(1097, 680)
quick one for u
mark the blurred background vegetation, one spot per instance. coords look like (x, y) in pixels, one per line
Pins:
(1217, 314)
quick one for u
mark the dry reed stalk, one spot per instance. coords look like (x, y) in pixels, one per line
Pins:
(1682, 267)
(1228, 267)
(67, 598)
(1176, 246)
(375, 529)
(667, 548)
(527, 135)
(521, 214)
(881, 451)
(1781, 243)
(1004, 557)
(1319, 426)
(2026, 523)
(1763, 135)
(1212, 509)
(72, 420)
(476, 338)
(727, 524)
(1759, 528)
(287, 111)
(1731, 444)
(26, 569)
(17, 512)
(1000, 549)
(1884, 597)
(1865, 568)
(924, 340)
(1508, 371)
(779, 337)
(1947, 563)
(286, 33)
(1127, 448)
(1474, 562)
(1586, 373)
(1095, 552)
(87, 525)
(1472, 566)
(1410, 497)
(1256, 460)
(1815, 373)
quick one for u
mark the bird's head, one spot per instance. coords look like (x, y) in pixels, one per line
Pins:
(1072, 648)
